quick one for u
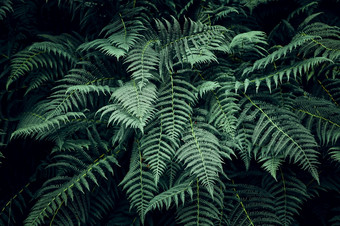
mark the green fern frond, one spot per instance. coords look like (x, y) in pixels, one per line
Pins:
(174, 194)
(297, 41)
(289, 194)
(279, 133)
(158, 149)
(246, 204)
(201, 155)
(132, 107)
(321, 117)
(301, 67)
(120, 35)
(202, 209)
(5, 8)
(223, 111)
(143, 61)
(45, 54)
(175, 99)
(194, 44)
(248, 42)
(58, 190)
(36, 125)
(139, 183)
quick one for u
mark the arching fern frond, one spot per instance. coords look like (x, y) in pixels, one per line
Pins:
(175, 194)
(56, 54)
(279, 134)
(58, 190)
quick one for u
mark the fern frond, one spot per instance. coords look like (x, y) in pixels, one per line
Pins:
(158, 149)
(143, 60)
(194, 44)
(120, 35)
(296, 42)
(37, 125)
(279, 133)
(223, 111)
(132, 107)
(249, 41)
(321, 116)
(174, 194)
(45, 54)
(301, 67)
(5, 8)
(139, 183)
(58, 190)
(201, 155)
(202, 209)
(175, 99)
(249, 205)
(289, 194)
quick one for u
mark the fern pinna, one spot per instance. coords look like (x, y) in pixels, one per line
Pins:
(169, 113)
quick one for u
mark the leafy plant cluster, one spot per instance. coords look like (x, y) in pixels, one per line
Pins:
(170, 112)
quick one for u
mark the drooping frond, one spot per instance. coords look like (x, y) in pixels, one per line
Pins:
(5, 8)
(279, 134)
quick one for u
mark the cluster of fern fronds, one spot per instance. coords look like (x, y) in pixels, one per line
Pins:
(170, 113)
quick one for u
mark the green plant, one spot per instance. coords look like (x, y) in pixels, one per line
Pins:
(197, 110)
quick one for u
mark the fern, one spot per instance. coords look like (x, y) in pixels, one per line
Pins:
(202, 209)
(120, 35)
(249, 205)
(52, 196)
(132, 107)
(139, 184)
(288, 138)
(201, 155)
(175, 100)
(5, 8)
(289, 193)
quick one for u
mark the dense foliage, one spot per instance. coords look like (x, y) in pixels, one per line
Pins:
(170, 112)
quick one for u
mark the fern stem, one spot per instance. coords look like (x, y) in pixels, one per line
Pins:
(56, 212)
(198, 203)
(243, 207)
(125, 32)
(328, 93)
(285, 195)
